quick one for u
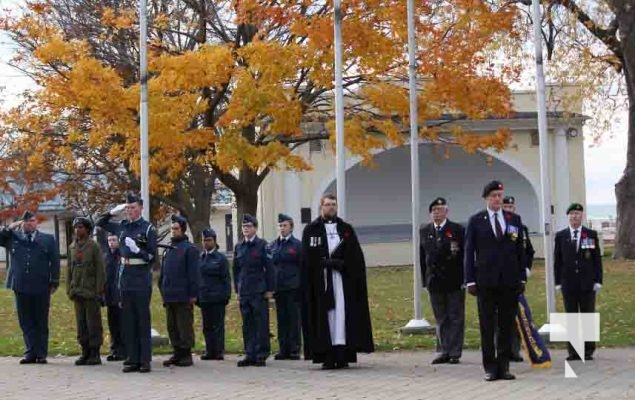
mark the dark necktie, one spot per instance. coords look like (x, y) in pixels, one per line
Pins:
(574, 242)
(29, 237)
(497, 225)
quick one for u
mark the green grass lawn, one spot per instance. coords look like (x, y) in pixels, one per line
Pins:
(391, 302)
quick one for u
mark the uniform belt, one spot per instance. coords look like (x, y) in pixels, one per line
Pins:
(133, 261)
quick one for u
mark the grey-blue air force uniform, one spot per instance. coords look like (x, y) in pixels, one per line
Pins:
(214, 294)
(286, 258)
(34, 270)
(253, 276)
(135, 283)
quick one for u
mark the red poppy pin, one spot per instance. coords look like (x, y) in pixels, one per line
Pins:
(583, 235)
(507, 216)
(448, 234)
(291, 251)
(254, 254)
(347, 234)
(180, 252)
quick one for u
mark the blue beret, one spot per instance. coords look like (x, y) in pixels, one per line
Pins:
(179, 220)
(439, 201)
(249, 219)
(209, 233)
(133, 198)
(490, 187)
(575, 207)
(27, 215)
(509, 200)
(283, 217)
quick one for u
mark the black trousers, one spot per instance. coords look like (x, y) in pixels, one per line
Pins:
(180, 321)
(33, 315)
(577, 302)
(497, 309)
(115, 328)
(90, 332)
(214, 328)
(288, 315)
(254, 310)
(136, 325)
(449, 312)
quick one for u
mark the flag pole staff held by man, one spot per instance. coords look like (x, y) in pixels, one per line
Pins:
(138, 246)
(34, 274)
(495, 272)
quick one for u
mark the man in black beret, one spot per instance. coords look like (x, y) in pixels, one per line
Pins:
(441, 258)
(495, 272)
(34, 273)
(578, 270)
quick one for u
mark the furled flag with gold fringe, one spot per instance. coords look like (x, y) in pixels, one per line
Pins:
(532, 343)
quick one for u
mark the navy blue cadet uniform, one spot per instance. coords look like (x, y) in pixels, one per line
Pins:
(178, 284)
(112, 299)
(214, 294)
(286, 258)
(34, 271)
(135, 283)
(253, 276)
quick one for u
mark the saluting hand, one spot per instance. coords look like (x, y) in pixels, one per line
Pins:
(15, 225)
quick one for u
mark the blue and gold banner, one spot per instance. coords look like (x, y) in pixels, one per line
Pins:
(535, 348)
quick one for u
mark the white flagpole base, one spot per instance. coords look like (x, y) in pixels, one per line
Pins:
(417, 327)
(546, 330)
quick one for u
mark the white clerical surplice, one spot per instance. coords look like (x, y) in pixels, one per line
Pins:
(337, 316)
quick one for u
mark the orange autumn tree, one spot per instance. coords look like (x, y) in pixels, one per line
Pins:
(232, 81)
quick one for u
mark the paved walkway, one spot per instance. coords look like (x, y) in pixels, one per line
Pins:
(392, 376)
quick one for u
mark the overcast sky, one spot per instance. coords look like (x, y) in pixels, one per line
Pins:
(603, 164)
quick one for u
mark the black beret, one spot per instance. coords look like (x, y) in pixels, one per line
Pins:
(249, 219)
(209, 233)
(509, 200)
(27, 215)
(490, 187)
(439, 201)
(179, 220)
(575, 207)
(283, 217)
(85, 222)
(133, 198)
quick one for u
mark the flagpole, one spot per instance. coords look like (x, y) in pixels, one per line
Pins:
(340, 152)
(143, 112)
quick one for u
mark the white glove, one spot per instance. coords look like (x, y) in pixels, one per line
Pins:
(528, 272)
(596, 286)
(118, 209)
(558, 287)
(132, 245)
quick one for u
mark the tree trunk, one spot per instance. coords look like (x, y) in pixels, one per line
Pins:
(625, 187)
(246, 196)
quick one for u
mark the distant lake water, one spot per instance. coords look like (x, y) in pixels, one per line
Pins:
(601, 211)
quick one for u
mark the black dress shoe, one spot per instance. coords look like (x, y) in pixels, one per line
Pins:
(245, 362)
(127, 363)
(506, 376)
(588, 357)
(453, 360)
(281, 356)
(293, 357)
(441, 360)
(342, 365)
(490, 377)
(206, 357)
(573, 358)
(130, 368)
(328, 365)
(516, 358)
(27, 360)
(259, 363)
(41, 360)
(144, 368)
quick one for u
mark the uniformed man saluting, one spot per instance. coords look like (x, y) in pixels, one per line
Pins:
(138, 246)
(578, 270)
(85, 287)
(254, 285)
(34, 274)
